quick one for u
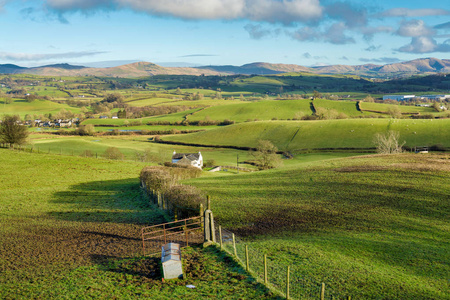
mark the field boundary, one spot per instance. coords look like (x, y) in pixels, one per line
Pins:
(369, 149)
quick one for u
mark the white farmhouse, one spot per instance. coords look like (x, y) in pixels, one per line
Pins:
(191, 159)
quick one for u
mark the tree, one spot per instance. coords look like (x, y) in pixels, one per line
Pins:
(395, 112)
(266, 155)
(369, 98)
(316, 95)
(113, 153)
(115, 97)
(388, 143)
(12, 132)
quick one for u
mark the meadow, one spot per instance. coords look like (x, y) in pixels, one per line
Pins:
(327, 134)
(70, 229)
(370, 227)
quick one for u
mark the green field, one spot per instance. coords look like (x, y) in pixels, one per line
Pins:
(370, 227)
(346, 107)
(70, 228)
(373, 227)
(381, 107)
(37, 107)
(297, 135)
(261, 110)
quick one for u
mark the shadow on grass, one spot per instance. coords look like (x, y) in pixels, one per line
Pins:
(116, 201)
(209, 269)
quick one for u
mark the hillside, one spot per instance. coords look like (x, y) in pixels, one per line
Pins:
(297, 135)
(140, 69)
(371, 227)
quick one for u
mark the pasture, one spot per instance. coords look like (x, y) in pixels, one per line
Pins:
(372, 227)
(70, 229)
(332, 134)
(38, 107)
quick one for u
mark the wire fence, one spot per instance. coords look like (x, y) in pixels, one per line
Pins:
(105, 154)
(288, 280)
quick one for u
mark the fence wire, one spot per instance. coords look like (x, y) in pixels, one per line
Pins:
(301, 286)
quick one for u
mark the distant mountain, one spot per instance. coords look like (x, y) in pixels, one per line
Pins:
(61, 66)
(417, 66)
(10, 69)
(258, 68)
(142, 69)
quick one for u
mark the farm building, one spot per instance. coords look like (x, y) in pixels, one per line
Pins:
(435, 97)
(191, 159)
(398, 97)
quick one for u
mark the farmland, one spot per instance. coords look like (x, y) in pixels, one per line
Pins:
(372, 227)
(369, 226)
(70, 226)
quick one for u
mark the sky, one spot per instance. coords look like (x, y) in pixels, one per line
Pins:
(223, 32)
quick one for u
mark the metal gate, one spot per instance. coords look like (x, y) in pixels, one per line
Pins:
(184, 232)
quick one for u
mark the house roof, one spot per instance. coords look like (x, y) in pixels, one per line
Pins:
(189, 156)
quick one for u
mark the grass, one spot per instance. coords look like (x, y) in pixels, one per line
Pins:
(403, 108)
(70, 229)
(262, 110)
(37, 107)
(346, 107)
(349, 133)
(129, 146)
(372, 227)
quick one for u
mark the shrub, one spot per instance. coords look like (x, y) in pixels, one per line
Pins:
(88, 129)
(113, 153)
(185, 196)
(156, 178)
(87, 153)
(210, 163)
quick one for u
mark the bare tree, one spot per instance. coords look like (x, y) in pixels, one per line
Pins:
(388, 143)
(266, 155)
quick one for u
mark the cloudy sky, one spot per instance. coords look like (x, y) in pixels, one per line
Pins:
(221, 32)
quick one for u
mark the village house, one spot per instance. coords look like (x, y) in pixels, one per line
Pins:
(191, 159)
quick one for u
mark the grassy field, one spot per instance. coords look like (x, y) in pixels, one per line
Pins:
(350, 133)
(70, 230)
(346, 107)
(261, 110)
(37, 107)
(403, 108)
(129, 146)
(372, 227)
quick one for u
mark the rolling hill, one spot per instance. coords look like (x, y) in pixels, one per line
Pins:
(140, 69)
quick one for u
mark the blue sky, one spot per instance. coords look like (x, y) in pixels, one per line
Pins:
(221, 32)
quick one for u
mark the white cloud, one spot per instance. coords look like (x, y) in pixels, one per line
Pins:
(407, 12)
(335, 34)
(424, 44)
(273, 11)
(258, 32)
(414, 28)
(47, 56)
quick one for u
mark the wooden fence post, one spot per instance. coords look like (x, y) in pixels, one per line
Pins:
(234, 246)
(322, 292)
(201, 217)
(287, 282)
(265, 268)
(246, 258)
(220, 237)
